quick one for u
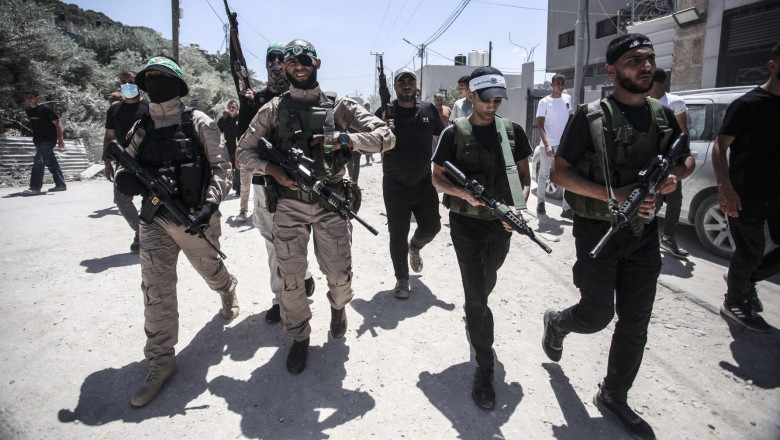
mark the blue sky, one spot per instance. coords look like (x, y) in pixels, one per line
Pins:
(346, 32)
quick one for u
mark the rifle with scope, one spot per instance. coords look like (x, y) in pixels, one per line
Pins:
(298, 166)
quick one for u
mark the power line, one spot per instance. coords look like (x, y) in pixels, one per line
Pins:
(384, 17)
(246, 22)
(215, 12)
(535, 9)
(405, 24)
(447, 23)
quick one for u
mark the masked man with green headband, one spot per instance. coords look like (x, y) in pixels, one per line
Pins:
(263, 220)
(308, 119)
(182, 144)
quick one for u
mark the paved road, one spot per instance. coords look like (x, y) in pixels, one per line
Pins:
(72, 333)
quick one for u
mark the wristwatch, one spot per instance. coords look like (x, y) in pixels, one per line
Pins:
(343, 139)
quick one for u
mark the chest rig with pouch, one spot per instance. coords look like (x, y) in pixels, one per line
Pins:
(621, 151)
(174, 153)
(495, 168)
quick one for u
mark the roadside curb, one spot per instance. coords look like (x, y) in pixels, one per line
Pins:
(698, 300)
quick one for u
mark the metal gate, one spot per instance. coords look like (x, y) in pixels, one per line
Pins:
(531, 127)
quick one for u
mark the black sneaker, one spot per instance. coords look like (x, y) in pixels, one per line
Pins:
(552, 341)
(670, 245)
(540, 209)
(296, 358)
(136, 246)
(624, 414)
(483, 393)
(744, 316)
(338, 323)
(309, 285)
(272, 316)
(755, 302)
(57, 188)
(567, 214)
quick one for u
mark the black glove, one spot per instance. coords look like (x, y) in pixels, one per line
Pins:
(203, 217)
(127, 183)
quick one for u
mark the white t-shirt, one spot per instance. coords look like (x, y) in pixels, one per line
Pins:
(555, 112)
(674, 102)
(461, 109)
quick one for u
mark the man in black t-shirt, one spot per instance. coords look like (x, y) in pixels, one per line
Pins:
(228, 125)
(749, 192)
(478, 146)
(406, 184)
(47, 132)
(622, 277)
(120, 118)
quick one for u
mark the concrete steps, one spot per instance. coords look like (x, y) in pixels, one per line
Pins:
(17, 152)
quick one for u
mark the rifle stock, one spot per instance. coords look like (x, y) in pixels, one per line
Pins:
(159, 192)
(498, 209)
(237, 61)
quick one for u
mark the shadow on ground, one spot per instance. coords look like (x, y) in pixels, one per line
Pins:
(757, 356)
(97, 265)
(385, 311)
(578, 424)
(450, 392)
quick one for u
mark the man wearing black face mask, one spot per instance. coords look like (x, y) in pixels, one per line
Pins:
(119, 118)
(184, 145)
(306, 118)
(406, 186)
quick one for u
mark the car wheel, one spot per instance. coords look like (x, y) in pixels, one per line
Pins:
(552, 190)
(712, 228)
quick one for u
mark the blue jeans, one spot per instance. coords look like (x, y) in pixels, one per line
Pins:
(44, 155)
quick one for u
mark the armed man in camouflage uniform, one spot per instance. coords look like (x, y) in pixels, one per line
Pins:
(306, 118)
(184, 145)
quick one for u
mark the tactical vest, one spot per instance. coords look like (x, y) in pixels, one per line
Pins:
(299, 123)
(487, 167)
(175, 152)
(627, 152)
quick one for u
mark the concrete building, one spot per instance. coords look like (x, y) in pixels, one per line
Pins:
(727, 45)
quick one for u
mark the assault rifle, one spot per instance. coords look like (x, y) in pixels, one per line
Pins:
(498, 209)
(655, 171)
(237, 61)
(298, 166)
(384, 92)
(160, 191)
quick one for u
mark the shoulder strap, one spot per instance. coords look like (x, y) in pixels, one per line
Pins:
(660, 119)
(515, 186)
(597, 111)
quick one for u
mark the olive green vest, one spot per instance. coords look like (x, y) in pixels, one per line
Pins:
(300, 123)
(625, 150)
(487, 167)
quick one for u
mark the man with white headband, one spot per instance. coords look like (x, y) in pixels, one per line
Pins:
(605, 145)
(494, 151)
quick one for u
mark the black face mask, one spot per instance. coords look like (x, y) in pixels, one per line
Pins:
(162, 88)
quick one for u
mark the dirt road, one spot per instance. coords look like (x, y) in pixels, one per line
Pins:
(71, 322)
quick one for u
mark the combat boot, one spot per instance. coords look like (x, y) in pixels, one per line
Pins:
(230, 307)
(338, 323)
(483, 393)
(617, 407)
(296, 358)
(155, 379)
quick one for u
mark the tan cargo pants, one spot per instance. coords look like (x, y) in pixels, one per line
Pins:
(294, 221)
(161, 242)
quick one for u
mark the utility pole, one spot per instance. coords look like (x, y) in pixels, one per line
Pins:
(422, 59)
(175, 31)
(581, 38)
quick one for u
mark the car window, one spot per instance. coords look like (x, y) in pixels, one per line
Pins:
(699, 117)
(720, 113)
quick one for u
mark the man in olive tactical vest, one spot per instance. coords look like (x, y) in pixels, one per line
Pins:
(184, 145)
(494, 151)
(615, 137)
(251, 102)
(307, 119)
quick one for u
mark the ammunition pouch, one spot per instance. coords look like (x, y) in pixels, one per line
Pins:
(347, 189)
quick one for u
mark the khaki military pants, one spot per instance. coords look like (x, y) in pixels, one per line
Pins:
(294, 222)
(161, 242)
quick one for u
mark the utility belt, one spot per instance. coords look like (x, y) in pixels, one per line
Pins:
(264, 180)
(290, 193)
